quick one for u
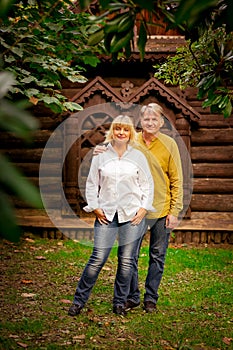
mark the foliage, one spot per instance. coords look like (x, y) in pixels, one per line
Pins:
(207, 64)
(199, 21)
(15, 119)
(39, 278)
(39, 42)
(43, 42)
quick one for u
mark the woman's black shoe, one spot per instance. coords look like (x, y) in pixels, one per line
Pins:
(74, 310)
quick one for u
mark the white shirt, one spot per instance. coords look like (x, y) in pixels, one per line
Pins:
(121, 185)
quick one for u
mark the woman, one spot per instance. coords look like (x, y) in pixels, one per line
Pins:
(119, 190)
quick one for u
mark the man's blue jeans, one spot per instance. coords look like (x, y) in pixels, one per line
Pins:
(129, 238)
(159, 239)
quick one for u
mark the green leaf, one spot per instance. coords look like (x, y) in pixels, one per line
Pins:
(28, 80)
(56, 108)
(72, 106)
(227, 110)
(120, 41)
(76, 79)
(50, 99)
(8, 225)
(12, 179)
(85, 3)
(96, 37)
(189, 10)
(5, 6)
(91, 60)
(31, 92)
(17, 120)
(6, 81)
(223, 102)
(10, 59)
(142, 39)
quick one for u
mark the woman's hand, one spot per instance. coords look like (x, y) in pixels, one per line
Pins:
(139, 216)
(100, 216)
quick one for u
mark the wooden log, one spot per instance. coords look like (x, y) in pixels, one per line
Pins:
(212, 202)
(212, 136)
(213, 170)
(211, 185)
(217, 238)
(32, 169)
(39, 139)
(211, 120)
(188, 237)
(203, 237)
(33, 155)
(178, 237)
(212, 153)
(48, 184)
(52, 202)
(48, 122)
(196, 237)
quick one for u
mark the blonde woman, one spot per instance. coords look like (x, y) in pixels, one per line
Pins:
(119, 190)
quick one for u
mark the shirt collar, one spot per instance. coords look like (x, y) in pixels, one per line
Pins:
(109, 146)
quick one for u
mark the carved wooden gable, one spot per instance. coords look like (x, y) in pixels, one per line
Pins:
(93, 124)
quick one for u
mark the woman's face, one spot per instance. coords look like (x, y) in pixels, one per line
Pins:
(121, 133)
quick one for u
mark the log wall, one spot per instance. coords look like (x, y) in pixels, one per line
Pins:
(211, 150)
(212, 159)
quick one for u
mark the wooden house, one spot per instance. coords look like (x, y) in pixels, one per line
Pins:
(208, 139)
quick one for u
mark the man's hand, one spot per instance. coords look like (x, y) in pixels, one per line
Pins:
(139, 216)
(99, 149)
(100, 216)
(171, 221)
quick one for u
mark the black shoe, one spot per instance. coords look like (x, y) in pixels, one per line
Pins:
(149, 306)
(131, 305)
(119, 310)
(74, 310)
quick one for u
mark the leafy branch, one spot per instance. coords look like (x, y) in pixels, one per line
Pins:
(39, 44)
(210, 71)
(206, 62)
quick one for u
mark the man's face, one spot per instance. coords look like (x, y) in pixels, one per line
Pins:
(151, 122)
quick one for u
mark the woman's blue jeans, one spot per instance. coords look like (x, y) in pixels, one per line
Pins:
(129, 238)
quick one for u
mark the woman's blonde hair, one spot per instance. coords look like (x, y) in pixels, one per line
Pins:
(122, 120)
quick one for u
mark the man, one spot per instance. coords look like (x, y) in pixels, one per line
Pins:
(165, 164)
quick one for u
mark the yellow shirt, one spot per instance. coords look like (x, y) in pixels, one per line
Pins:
(165, 164)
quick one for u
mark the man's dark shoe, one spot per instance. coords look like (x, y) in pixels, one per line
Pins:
(131, 305)
(119, 310)
(149, 306)
(74, 310)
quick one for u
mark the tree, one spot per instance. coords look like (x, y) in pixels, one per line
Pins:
(38, 48)
(204, 23)
(41, 43)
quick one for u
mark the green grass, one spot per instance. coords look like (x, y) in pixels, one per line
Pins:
(39, 278)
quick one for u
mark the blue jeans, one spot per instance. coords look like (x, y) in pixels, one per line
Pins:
(129, 238)
(159, 239)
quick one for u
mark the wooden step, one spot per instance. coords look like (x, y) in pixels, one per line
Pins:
(210, 221)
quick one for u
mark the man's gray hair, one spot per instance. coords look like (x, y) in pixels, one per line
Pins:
(153, 107)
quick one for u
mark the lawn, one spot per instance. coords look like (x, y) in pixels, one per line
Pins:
(39, 279)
